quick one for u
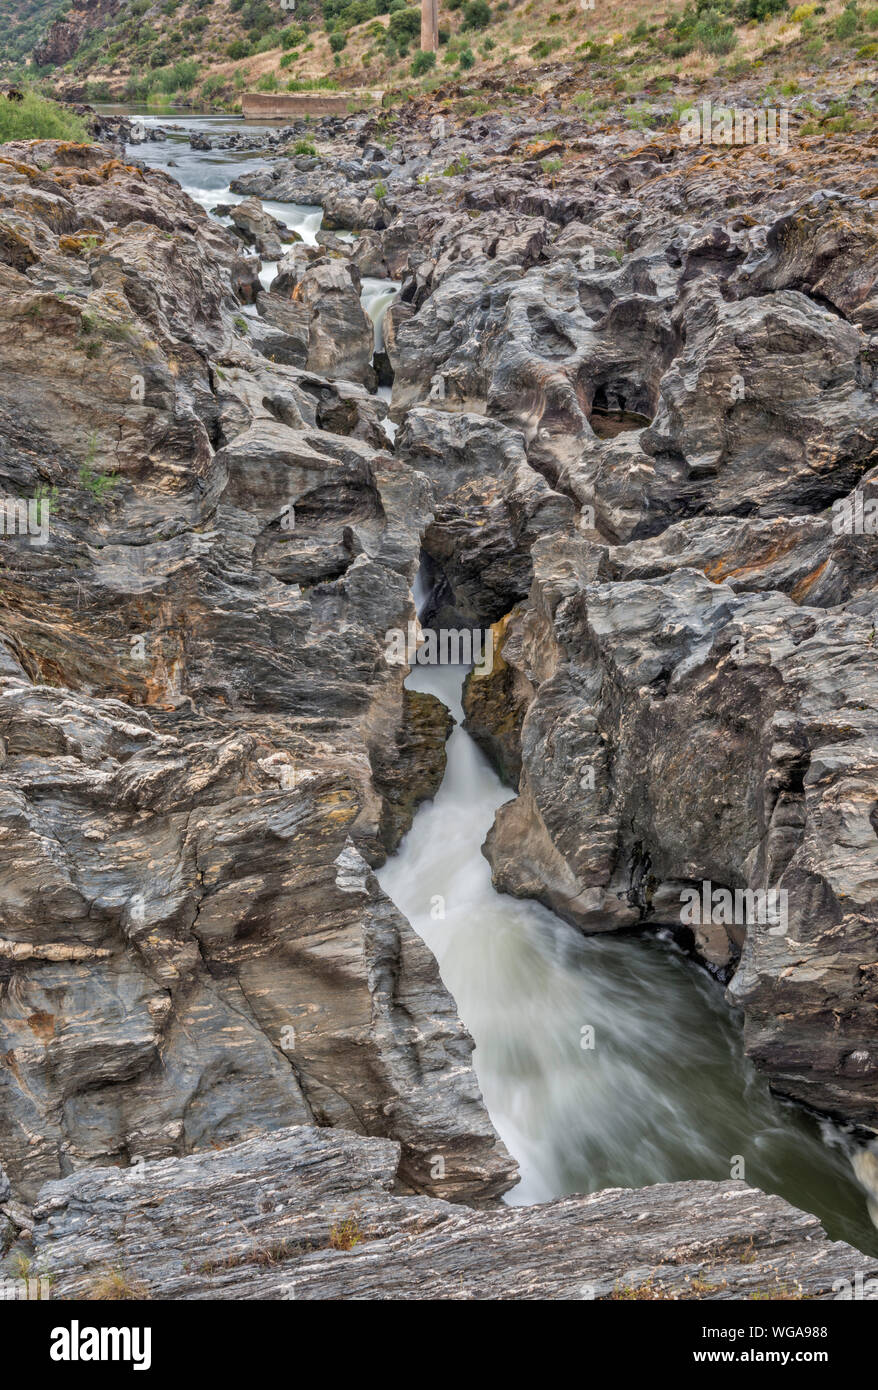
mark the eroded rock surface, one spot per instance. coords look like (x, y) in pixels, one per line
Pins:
(643, 394)
(202, 746)
(634, 401)
(283, 1210)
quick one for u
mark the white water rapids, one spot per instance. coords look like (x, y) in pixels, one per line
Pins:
(665, 1093)
(207, 174)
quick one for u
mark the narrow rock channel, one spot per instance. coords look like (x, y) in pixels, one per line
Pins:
(604, 1061)
(403, 1004)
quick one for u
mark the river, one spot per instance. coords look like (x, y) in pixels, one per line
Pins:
(604, 1061)
(207, 174)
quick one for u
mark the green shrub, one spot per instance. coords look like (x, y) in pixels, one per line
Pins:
(136, 88)
(423, 63)
(268, 41)
(467, 59)
(846, 24)
(337, 42)
(761, 10)
(238, 48)
(182, 77)
(639, 117)
(543, 47)
(404, 25)
(267, 82)
(715, 35)
(36, 118)
(357, 13)
(312, 84)
(476, 14)
(305, 147)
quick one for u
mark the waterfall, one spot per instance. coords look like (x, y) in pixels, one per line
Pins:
(376, 297)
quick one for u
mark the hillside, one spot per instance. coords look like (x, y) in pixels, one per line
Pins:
(22, 23)
(200, 52)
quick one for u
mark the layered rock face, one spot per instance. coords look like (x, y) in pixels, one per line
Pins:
(202, 746)
(65, 34)
(317, 1214)
(678, 341)
(312, 316)
(694, 673)
(637, 413)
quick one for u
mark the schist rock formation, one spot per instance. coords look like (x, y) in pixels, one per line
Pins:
(636, 437)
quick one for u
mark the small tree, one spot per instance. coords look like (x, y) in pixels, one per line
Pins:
(476, 14)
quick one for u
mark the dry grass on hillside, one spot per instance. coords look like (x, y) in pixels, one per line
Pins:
(616, 46)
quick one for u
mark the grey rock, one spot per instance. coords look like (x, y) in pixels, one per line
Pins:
(341, 337)
(489, 506)
(198, 720)
(260, 229)
(283, 1210)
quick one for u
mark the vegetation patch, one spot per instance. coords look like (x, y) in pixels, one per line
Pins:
(32, 117)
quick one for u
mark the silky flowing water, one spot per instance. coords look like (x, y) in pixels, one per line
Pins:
(665, 1092)
(604, 1061)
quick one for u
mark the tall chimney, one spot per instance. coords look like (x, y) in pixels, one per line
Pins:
(429, 25)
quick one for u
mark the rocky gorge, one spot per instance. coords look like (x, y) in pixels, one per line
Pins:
(631, 403)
